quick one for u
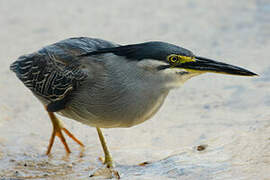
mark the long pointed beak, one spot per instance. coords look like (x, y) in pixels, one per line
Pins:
(202, 64)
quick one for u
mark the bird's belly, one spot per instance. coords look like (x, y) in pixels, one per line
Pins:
(125, 115)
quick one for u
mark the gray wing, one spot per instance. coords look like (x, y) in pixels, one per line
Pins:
(54, 72)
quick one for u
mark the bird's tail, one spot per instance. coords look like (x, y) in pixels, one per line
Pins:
(14, 66)
(27, 68)
(22, 66)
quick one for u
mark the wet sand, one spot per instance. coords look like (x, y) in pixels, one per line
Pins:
(214, 127)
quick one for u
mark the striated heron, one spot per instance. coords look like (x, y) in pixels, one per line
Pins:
(107, 85)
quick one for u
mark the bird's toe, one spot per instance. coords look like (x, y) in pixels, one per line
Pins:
(105, 172)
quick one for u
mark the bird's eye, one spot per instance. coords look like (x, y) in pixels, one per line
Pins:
(173, 59)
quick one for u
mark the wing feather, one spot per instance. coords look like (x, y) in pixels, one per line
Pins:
(55, 70)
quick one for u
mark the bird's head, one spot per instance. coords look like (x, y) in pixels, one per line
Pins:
(172, 61)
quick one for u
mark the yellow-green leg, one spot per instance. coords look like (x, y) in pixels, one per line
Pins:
(108, 158)
(108, 171)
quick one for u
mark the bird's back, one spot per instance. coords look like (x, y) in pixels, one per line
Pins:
(54, 71)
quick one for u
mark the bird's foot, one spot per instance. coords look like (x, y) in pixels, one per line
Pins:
(58, 127)
(106, 172)
(107, 161)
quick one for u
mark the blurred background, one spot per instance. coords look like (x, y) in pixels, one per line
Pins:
(228, 115)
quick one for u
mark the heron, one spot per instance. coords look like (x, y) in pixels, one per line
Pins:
(107, 85)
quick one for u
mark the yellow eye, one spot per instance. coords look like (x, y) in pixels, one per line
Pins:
(178, 59)
(173, 58)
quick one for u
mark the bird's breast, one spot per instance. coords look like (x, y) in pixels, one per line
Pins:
(115, 105)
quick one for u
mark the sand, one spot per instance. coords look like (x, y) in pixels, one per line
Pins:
(228, 117)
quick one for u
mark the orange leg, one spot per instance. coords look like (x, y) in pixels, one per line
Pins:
(57, 131)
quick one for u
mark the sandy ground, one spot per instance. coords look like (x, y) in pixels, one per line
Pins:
(228, 115)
